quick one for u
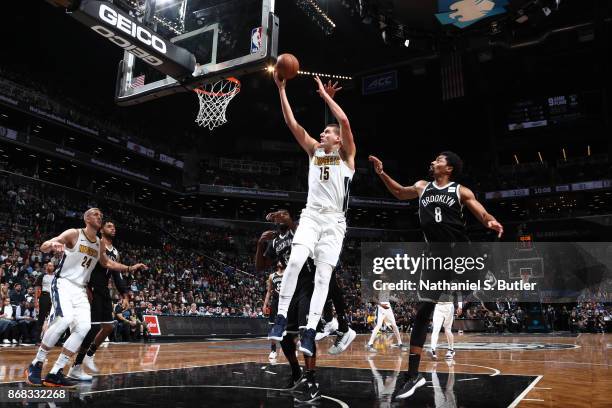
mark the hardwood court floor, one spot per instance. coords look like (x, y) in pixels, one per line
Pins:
(488, 371)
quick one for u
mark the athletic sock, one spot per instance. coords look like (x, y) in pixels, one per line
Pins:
(41, 356)
(414, 360)
(62, 360)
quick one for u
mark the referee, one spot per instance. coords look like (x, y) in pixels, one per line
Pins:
(42, 296)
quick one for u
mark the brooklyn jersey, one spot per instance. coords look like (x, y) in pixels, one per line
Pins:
(441, 213)
(100, 275)
(329, 181)
(279, 250)
(276, 283)
(79, 261)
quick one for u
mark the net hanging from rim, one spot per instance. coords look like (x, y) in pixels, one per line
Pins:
(214, 98)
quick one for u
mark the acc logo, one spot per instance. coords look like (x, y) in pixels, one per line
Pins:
(110, 16)
(514, 346)
(462, 13)
(379, 83)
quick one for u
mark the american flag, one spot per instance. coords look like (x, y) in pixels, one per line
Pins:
(137, 82)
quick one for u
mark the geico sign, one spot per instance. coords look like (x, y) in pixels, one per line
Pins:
(124, 24)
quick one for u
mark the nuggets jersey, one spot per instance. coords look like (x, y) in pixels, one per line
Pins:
(100, 275)
(78, 262)
(329, 181)
(441, 213)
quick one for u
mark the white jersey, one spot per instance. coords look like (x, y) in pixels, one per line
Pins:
(329, 181)
(78, 262)
(46, 282)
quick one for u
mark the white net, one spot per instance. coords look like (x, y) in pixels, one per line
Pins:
(214, 99)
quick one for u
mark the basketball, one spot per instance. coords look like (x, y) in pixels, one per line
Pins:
(287, 66)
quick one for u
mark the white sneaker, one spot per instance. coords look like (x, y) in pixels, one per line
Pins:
(6, 341)
(14, 341)
(76, 373)
(329, 328)
(272, 355)
(342, 342)
(89, 363)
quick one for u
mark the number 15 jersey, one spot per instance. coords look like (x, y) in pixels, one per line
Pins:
(329, 181)
(441, 213)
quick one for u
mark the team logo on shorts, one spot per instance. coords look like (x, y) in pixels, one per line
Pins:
(514, 346)
(462, 13)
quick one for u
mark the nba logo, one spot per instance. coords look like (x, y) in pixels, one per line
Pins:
(256, 40)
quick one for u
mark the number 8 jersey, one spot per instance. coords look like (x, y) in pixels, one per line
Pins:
(78, 262)
(441, 213)
(329, 181)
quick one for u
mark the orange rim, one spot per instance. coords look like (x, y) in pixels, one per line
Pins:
(231, 79)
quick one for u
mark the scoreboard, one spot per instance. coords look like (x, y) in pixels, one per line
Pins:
(545, 111)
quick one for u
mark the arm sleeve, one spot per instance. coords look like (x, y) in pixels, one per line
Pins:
(119, 282)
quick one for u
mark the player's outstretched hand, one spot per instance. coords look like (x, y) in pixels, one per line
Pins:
(496, 226)
(57, 247)
(378, 164)
(331, 89)
(281, 83)
(139, 267)
(321, 91)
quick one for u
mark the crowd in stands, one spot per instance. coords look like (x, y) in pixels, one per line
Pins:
(204, 271)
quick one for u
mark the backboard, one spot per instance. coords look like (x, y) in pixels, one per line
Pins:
(227, 38)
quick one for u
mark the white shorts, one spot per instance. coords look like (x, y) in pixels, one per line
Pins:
(69, 301)
(444, 314)
(385, 315)
(322, 234)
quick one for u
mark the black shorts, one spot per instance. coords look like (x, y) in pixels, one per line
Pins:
(297, 315)
(101, 306)
(273, 311)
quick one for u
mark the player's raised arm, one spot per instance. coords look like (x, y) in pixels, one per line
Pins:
(67, 238)
(400, 192)
(303, 138)
(346, 134)
(469, 200)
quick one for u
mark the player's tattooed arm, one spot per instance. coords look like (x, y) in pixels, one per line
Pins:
(301, 136)
(261, 261)
(67, 239)
(469, 200)
(400, 192)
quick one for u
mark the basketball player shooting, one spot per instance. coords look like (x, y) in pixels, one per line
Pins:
(81, 250)
(322, 223)
(441, 203)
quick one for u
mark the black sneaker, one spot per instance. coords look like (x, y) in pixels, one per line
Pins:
(33, 374)
(410, 385)
(307, 389)
(277, 332)
(58, 380)
(294, 382)
(307, 342)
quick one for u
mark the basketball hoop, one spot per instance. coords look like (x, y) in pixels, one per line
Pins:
(214, 98)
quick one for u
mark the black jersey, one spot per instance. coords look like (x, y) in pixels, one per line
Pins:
(276, 282)
(100, 275)
(441, 213)
(279, 250)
